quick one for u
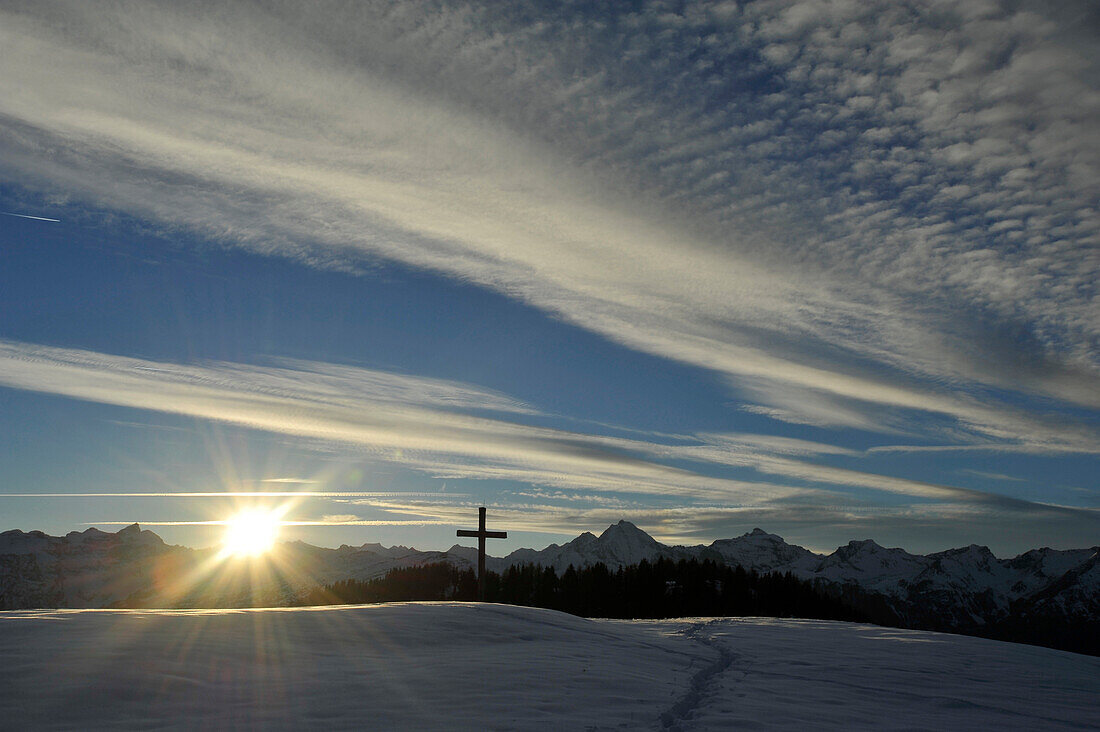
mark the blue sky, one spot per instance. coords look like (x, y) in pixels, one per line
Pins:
(826, 268)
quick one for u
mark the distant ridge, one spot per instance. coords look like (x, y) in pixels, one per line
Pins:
(965, 590)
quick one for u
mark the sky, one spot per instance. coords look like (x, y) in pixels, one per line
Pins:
(825, 268)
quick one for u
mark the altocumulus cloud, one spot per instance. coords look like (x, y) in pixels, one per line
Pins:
(861, 214)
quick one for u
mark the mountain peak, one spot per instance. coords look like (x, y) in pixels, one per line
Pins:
(133, 534)
(91, 533)
(864, 548)
(759, 534)
(625, 529)
(760, 551)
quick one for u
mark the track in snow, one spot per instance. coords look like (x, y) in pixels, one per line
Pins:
(681, 711)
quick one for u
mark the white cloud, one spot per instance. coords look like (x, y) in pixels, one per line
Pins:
(360, 412)
(355, 409)
(826, 228)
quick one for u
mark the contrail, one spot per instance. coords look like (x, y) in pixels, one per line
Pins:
(27, 216)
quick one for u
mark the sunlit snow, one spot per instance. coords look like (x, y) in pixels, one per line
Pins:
(467, 666)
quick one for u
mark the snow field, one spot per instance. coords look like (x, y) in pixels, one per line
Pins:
(434, 666)
(815, 674)
(415, 666)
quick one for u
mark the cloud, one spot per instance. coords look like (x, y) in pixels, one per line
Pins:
(768, 455)
(357, 410)
(578, 479)
(820, 527)
(774, 444)
(993, 476)
(862, 215)
(340, 518)
(426, 433)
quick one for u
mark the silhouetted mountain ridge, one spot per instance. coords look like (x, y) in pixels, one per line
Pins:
(967, 589)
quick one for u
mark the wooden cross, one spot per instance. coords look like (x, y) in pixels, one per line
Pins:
(482, 535)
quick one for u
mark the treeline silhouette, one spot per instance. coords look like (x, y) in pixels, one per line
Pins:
(691, 587)
(660, 589)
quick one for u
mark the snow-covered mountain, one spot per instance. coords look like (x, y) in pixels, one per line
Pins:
(958, 589)
(871, 566)
(760, 551)
(92, 568)
(620, 545)
(963, 588)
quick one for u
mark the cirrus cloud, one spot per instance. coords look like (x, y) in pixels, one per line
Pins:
(801, 196)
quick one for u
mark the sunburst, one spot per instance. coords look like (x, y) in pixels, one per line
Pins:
(251, 533)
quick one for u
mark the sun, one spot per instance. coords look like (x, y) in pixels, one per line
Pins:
(251, 533)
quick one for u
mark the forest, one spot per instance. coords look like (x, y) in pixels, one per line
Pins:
(660, 589)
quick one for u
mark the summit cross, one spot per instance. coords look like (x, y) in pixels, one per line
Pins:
(481, 535)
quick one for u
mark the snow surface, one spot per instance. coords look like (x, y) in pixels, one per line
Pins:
(449, 666)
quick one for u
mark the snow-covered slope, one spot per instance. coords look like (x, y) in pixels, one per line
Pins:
(964, 589)
(1034, 569)
(453, 666)
(1076, 593)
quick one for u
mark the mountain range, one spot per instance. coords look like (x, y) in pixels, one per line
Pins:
(962, 590)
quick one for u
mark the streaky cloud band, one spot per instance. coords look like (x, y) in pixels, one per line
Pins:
(431, 436)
